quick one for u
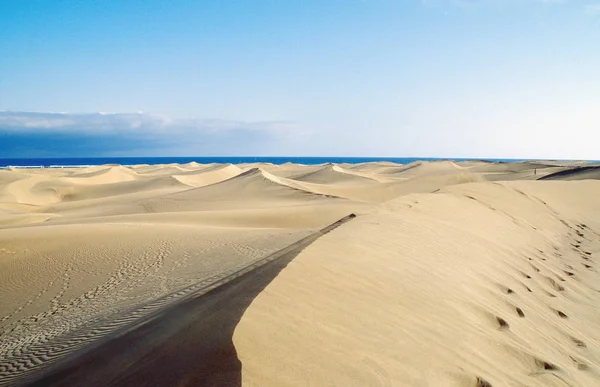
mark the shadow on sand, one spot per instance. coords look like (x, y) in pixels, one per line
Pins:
(187, 344)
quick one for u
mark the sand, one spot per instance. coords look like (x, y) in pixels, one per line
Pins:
(452, 273)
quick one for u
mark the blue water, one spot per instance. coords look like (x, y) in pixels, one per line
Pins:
(63, 162)
(87, 161)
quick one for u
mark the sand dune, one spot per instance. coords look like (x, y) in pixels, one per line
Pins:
(163, 169)
(422, 168)
(402, 181)
(209, 175)
(369, 166)
(333, 174)
(418, 293)
(23, 191)
(7, 176)
(252, 188)
(452, 274)
(398, 169)
(68, 191)
(577, 173)
(289, 170)
(104, 176)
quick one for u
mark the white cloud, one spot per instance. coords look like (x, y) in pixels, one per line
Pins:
(127, 122)
(34, 134)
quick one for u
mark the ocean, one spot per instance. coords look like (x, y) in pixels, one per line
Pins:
(91, 161)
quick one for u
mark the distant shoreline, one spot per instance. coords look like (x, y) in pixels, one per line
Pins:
(80, 162)
(25, 163)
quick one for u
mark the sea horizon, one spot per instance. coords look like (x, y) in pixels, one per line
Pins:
(58, 162)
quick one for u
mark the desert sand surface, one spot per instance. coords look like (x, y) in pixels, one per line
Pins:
(451, 274)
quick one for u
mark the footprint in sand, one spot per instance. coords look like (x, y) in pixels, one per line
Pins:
(577, 342)
(559, 313)
(480, 382)
(502, 324)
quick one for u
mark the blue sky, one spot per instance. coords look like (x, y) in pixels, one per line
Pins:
(439, 78)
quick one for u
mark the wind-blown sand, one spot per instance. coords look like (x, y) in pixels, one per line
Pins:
(452, 274)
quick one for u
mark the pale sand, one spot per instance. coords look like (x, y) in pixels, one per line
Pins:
(452, 273)
(476, 283)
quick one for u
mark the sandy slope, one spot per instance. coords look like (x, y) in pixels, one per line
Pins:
(576, 173)
(84, 252)
(451, 271)
(478, 282)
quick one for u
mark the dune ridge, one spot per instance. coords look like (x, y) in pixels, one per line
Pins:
(418, 294)
(577, 173)
(453, 273)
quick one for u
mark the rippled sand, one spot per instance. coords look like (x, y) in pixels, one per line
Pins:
(451, 274)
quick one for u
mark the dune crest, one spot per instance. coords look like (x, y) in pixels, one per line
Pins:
(447, 273)
(333, 174)
(208, 176)
(418, 293)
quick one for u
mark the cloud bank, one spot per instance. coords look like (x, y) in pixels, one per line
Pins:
(33, 134)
